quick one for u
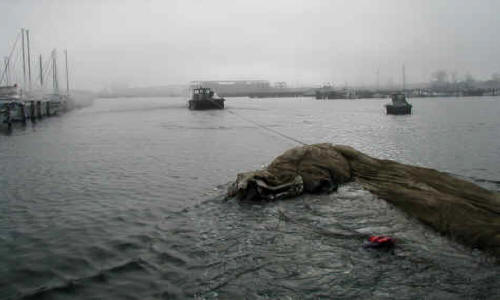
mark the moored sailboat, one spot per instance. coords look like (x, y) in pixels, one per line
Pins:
(19, 104)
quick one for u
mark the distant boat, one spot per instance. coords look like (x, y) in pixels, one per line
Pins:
(399, 105)
(205, 98)
(57, 102)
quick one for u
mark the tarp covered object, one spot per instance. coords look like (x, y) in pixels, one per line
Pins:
(460, 209)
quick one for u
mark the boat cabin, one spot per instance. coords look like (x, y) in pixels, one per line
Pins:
(204, 98)
(9, 92)
(399, 99)
(202, 93)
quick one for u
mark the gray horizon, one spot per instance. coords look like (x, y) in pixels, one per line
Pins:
(151, 43)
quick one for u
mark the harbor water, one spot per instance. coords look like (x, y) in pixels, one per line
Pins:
(124, 200)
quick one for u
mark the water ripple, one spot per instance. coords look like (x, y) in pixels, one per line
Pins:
(124, 200)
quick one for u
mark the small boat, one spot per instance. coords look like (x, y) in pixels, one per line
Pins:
(12, 108)
(399, 105)
(55, 103)
(205, 98)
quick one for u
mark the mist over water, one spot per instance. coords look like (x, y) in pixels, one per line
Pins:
(136, 43)
(124, 199)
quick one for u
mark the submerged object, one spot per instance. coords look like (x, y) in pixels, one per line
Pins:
(455, 207)
(205, 98)
(399, 105)
(379, 241)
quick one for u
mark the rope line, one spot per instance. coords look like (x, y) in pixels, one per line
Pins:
(269, 129)
(260, 125)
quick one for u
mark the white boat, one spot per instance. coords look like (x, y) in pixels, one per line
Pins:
(55, 103)
(12, 108)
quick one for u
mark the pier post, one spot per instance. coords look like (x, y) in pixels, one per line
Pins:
(23, 114)
(9, 121)
(39, 109)
(32, 111)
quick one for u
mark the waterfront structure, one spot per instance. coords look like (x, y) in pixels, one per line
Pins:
(22, 103)
(235, 88)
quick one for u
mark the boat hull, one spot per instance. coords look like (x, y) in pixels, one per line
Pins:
(398, 109)
(13, 111)
(53, 107)
(4, 114)
(206, 104)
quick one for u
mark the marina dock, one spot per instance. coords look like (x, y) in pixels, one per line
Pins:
(29, 101)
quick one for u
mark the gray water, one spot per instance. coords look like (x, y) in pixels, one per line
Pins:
(124, 200)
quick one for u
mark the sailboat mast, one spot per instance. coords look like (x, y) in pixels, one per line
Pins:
(404, 78)
(24, 57)
(67, 73)
(29, 57)
(378, 79)
(6, 62)
(54, 72)
(41, 72)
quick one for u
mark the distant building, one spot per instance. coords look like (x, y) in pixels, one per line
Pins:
(234, 88)
(280, 85)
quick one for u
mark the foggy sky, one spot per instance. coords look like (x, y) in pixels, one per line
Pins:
(141, 43)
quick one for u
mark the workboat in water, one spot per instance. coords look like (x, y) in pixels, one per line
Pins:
(399, 105)
(205, 98)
